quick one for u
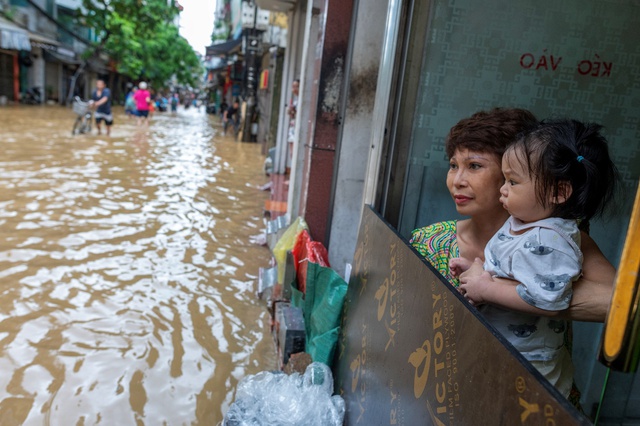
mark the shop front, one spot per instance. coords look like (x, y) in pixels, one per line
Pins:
(13, 40)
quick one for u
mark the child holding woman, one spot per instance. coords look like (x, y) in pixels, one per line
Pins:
(555, 176)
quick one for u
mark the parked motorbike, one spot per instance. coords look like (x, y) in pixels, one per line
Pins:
(32, 96)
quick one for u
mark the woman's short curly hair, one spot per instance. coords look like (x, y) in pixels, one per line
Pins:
(490, 131)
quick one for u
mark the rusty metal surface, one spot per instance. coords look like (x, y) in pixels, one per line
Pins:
(330, 63)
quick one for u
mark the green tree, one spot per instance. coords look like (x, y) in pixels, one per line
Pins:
(167, 54)
(140, 37)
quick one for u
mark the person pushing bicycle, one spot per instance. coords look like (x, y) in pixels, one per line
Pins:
(101, 101)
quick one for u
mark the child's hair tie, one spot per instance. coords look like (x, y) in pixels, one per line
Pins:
(580, 158)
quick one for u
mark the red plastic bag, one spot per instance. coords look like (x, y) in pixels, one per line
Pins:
(305, 250)
(299, 250)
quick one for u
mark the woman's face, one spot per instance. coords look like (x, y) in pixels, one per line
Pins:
(474, 180)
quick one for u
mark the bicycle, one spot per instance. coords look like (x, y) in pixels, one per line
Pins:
(85, 116)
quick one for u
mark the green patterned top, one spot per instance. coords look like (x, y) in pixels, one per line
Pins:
(438, 243)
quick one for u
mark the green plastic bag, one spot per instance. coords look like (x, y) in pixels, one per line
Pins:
(285, 244)
(322, 307)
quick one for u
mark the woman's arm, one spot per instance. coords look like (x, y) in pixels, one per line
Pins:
(484, 288)
(509, 299)
(591, 293)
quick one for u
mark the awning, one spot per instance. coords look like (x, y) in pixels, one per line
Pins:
(43, 42)
(276, 5)
(226, 48)
(53, 56)
(12, 37)
(97, 66)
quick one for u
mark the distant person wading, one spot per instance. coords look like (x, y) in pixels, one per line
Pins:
(142, 98)
(232, 115)
(130, 103)
(101, 101)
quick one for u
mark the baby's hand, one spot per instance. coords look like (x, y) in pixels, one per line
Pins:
(473, 288)
(473, 270)
(458, 265)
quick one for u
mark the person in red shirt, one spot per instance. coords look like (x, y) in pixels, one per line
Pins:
(143, 99)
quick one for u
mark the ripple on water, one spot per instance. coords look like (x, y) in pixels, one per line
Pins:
(126, 273)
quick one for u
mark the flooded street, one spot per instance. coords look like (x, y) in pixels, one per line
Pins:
(126, 273)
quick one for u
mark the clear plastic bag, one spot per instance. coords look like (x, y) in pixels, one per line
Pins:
(274, 398)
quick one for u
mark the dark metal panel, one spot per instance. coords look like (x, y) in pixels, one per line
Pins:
(411, 352)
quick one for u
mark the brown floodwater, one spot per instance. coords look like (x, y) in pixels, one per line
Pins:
(126, 273)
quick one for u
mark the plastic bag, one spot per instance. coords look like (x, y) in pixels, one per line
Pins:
(274, 398)
(322, 307)
(304, 251)
(285, 243)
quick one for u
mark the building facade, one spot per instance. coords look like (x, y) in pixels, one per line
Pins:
(382, 82)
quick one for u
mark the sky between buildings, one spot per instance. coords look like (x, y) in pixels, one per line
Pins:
(196, 22)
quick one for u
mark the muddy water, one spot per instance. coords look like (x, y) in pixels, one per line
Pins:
(126, 275)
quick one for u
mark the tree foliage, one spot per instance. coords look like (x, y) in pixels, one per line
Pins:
(139, 35)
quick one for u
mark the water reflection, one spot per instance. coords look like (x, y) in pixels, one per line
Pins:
(126, 276)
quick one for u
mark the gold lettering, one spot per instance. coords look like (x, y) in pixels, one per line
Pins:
(548, 410)
(549, 413)
(363, 285)
(440, 392)
(437, 319)
(438, 342)
(528, 409)
(392, 336)
(355, 373)
(421, 358)
(435, 298)
(361, 412)
(381, 296)
(436, 421)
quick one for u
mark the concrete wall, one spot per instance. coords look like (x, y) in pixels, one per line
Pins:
(291, 71)
(306, 109)
(354, 144)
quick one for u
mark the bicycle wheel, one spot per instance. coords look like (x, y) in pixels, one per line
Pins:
(87, 123)
(77, 126)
